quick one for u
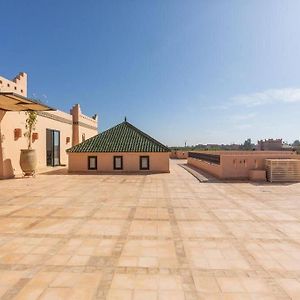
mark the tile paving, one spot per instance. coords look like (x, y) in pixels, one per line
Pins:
(163, 236)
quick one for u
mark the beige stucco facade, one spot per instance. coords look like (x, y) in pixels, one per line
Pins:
(73, 127)
(239, 164)
(18, 85)
(158, 162)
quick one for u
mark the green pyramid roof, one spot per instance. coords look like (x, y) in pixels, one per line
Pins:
(123, 137)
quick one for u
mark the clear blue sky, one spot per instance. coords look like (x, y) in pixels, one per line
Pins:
(196, 71)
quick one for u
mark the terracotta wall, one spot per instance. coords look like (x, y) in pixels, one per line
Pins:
(178, 154)
(78, 162)
(213, 169)
(237, 164)
(257, 175)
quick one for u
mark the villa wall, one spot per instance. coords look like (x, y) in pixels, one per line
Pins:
(2, 113)
(11, 146)
(159, 162)
(11, 122)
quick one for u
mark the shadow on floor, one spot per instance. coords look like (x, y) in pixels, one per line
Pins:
(64, 171)
(60, 171)
(200, 175)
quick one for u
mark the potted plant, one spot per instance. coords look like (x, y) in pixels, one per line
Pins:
(28, 159)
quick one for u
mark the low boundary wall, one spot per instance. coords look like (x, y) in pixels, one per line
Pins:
(235, 164)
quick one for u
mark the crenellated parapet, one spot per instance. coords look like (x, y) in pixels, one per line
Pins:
(18, 85)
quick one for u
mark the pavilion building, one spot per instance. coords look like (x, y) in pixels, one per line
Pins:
(122, 148)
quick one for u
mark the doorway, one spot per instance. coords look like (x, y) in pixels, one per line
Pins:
(53, 147)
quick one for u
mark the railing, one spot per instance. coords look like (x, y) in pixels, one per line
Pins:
(211, 158)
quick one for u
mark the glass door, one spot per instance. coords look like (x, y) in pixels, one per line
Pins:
(56, 148)
(53, 147)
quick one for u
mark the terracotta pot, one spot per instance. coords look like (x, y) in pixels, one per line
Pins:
(28, 161)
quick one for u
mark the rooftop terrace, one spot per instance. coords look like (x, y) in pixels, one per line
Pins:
(163, 236)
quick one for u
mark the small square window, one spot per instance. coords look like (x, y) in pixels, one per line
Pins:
(92, 162)
(144, 162)
(15, 88)
(8, 85)
(118, 162)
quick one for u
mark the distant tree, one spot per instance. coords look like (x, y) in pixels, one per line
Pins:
(247, 145)
(296, 143)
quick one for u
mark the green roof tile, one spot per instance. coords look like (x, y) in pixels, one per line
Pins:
(123, 137)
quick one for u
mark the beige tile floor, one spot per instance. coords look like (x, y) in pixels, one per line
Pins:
(163, 236)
